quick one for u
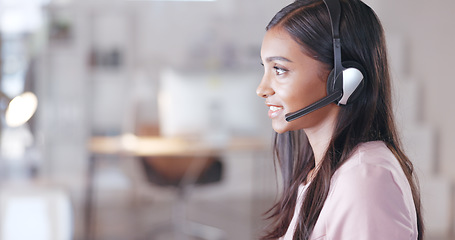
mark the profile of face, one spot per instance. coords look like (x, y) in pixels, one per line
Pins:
(292, 80)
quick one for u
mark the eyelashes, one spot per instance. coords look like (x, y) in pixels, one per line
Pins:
(278, 70)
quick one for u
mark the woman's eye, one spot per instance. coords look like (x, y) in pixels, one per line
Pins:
(279, 71)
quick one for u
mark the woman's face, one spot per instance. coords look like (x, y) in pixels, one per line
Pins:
(292, 80)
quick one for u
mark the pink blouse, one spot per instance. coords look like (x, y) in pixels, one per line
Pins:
(369, 199)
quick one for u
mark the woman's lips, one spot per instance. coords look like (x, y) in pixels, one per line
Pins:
(274, 111)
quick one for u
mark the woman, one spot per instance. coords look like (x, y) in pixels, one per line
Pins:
(345, 175)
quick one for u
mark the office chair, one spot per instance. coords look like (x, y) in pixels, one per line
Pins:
(184, 173)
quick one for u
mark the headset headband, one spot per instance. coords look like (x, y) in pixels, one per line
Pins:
(334, 9)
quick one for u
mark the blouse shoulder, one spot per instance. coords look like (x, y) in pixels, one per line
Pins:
(371, 154)
(370, 173)
(369, 198)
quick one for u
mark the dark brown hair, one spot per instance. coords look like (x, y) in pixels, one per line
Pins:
(368, 119)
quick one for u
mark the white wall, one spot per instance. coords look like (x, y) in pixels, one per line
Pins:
(420, 34)
(428, 29)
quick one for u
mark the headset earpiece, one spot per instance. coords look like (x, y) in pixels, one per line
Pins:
(351, 83)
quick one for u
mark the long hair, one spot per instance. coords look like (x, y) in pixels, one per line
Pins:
(370, 118)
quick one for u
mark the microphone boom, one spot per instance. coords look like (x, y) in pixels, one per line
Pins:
(319, 104)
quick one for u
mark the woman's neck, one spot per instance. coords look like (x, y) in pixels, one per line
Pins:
(320, 136)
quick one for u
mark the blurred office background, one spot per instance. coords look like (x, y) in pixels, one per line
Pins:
(110, 74)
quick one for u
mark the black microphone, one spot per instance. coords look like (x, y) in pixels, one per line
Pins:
(319, 104)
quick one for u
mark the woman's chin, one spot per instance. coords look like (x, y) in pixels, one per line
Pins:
(280, 126)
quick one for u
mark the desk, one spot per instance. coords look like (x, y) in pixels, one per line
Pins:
(130, 145)
(158, 146)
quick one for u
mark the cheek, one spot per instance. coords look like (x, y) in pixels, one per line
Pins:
(305, 93)
(312, 119)
(302, 95)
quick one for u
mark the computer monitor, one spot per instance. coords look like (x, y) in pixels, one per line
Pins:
(210, 104)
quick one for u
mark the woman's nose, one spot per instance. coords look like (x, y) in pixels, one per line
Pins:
(264, 90)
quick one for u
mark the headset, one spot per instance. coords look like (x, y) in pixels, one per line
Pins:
(345, 81)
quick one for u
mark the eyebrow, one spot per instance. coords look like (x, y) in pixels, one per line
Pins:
(275, 58)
